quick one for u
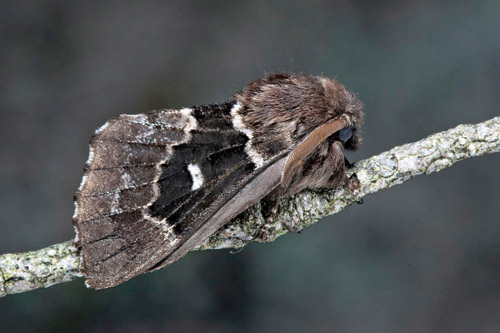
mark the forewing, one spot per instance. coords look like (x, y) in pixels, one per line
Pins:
(151, 183)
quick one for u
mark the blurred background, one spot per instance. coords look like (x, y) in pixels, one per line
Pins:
(422, 256)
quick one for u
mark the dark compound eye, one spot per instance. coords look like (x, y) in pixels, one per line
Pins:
(345, 134)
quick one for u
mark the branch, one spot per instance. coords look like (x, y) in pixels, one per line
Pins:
(61, 262)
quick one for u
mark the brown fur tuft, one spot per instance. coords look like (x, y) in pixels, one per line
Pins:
(282, 109)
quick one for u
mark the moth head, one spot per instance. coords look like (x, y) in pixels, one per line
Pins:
(343, 103)
(286, 108)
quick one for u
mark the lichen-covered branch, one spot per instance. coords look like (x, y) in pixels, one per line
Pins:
(20, 272)
(61, 262)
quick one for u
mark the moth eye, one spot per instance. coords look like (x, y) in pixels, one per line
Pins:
(345, 134)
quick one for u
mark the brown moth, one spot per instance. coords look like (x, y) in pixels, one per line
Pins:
(158, 184)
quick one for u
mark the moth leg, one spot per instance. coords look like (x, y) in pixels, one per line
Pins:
(348, 164)
(269, 206)
(353, 182)
(354, 186)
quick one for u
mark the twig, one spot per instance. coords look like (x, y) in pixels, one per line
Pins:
(61, 262)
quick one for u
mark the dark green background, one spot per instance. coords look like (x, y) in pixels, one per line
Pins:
(421, 257)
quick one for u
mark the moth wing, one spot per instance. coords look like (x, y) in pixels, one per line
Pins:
(249, 191)
(152, 182)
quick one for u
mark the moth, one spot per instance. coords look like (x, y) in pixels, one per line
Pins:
(157, 184)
